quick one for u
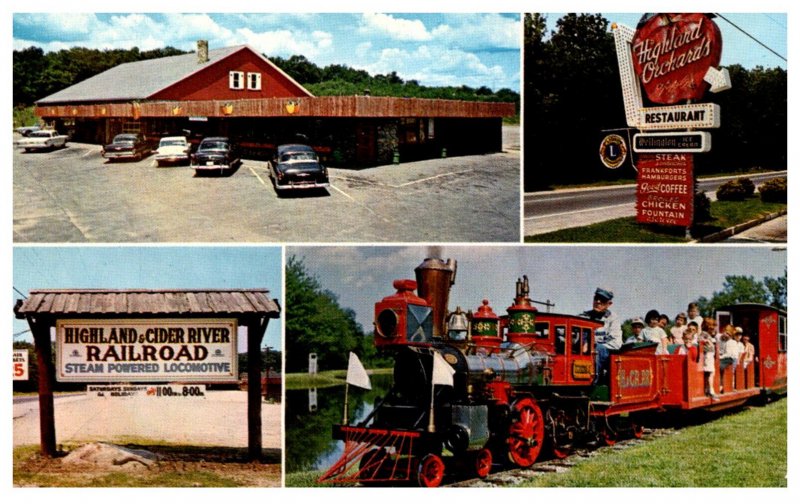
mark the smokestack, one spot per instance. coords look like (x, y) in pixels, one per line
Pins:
(434, 278)
(202, 52)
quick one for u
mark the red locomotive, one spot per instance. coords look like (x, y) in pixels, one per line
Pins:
(516, 384)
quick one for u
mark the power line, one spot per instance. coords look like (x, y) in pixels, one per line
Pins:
(18, 292)
(765, 46)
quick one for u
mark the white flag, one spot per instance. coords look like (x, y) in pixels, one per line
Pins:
(442, 372)
(356, 374)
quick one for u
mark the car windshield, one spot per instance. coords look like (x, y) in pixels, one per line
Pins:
(213, 146)
(125, 139)
(288, 157)
(178, 143)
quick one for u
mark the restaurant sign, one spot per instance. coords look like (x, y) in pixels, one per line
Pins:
(146, 350)
(665, 189)
(672, 54)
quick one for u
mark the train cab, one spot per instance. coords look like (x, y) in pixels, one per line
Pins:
(569, 339)
(765, 327)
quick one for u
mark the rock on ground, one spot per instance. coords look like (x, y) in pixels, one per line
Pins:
(111, 457)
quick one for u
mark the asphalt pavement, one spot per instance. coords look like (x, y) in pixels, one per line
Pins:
(73, 195)
(548, 211)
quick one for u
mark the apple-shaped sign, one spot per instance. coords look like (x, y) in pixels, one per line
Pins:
(672, 53)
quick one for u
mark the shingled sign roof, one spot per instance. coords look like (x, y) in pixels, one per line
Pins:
(149, 302)
(139, 80)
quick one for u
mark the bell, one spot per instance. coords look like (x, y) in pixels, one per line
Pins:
(457, 325)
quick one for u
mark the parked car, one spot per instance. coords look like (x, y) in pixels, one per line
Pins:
(126, 146)
(215, 155)
(43, 140)
(27, 130)
(297, 166)
(173, 150)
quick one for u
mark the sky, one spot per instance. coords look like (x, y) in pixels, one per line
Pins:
(434, 49)
(163, 267)
(664, 278)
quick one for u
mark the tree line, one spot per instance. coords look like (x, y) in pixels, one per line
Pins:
(316, 323)
(38, 74)
(573, 97)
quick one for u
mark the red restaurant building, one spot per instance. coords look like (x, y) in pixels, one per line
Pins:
(237, 92)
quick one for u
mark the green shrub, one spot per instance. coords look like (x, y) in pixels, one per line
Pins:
(773, 190)
(736, 190)
(702, 207)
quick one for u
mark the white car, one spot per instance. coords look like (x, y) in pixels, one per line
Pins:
(173, 150)
(43, 140)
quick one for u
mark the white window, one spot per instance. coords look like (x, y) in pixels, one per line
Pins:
(254, 81)
(236, 80)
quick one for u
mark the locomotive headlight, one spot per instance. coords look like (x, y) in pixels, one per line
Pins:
(386, 323)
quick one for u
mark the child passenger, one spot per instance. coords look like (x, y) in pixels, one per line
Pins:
(654, 332)
(707, 345)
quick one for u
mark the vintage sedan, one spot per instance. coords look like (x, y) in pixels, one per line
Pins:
(27, 130)
(43, 140)
(215, 155)
(172, 150)
(297, 166)
(126, 146)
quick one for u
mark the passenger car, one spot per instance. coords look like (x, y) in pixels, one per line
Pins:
(43, 140)
(215, 154)
(126, 146)
(297, 166)
(173, 149)
(27, 130)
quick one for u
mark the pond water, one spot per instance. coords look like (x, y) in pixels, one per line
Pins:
(311, 414)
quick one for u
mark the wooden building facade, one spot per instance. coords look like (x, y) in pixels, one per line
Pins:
(236, 92)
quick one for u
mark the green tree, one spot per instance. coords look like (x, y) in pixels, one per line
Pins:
(746, 289)
(316, 323)
(571, 79)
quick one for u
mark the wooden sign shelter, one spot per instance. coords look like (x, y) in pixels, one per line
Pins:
(45, 309)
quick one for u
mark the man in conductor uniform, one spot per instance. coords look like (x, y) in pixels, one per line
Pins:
(608, 337)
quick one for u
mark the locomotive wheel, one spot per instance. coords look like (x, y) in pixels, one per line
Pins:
(637, 430)
(608, 437)
(526, 433)
(430, 472)
(561, 452)
(483, 463)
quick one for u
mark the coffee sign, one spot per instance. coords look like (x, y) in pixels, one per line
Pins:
(672, 54)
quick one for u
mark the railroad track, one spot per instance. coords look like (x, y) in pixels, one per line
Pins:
(509, 477)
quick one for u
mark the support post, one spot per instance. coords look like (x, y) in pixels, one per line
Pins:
(44, 360)
(255, 333)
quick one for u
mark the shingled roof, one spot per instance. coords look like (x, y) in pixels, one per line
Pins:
(139, 80)
(82, 302)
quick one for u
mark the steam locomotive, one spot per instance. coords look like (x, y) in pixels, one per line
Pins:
(471, 389)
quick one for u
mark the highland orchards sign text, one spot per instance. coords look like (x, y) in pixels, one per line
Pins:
(137, 350)
(673, 52)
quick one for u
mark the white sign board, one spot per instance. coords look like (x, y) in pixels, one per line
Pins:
(155, 391)
(672, 142)
(21, 364)
(146, 350)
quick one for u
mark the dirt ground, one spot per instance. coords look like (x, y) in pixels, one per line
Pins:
(201, 441)
(180, 466)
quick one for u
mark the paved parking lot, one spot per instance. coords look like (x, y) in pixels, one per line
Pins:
(74, 195)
